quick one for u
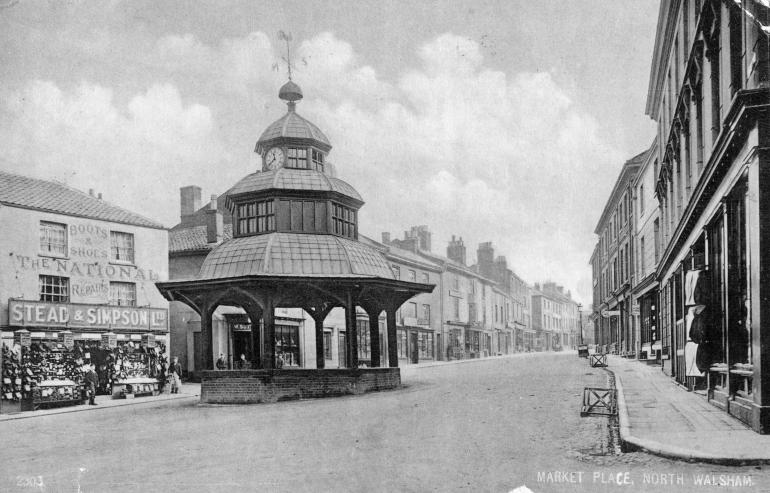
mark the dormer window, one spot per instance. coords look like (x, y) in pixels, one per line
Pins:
(297, 158)
(318, 160)
(344, 220)
(256, 217)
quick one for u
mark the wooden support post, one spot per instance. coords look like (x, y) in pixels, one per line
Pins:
(207, 338)
(351, 332)
(392, 342)
(320, 358)
(268, 335)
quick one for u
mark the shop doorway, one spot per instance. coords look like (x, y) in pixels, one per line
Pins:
(242, 344)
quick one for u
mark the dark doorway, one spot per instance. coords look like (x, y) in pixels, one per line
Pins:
(242, 345)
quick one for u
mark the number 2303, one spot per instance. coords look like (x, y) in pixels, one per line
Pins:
(30, 482)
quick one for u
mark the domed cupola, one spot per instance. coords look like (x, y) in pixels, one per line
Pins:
(292, 141)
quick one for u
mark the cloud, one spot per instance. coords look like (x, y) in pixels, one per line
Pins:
(491, 155)
(130, 153)
(472, 151)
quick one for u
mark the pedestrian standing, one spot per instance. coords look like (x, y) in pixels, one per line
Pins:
(221, 365)
(91, 381)
(175, 372)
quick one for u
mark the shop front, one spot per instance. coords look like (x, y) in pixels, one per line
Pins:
(416, 344)
(49, 347)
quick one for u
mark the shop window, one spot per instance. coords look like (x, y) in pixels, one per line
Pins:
(425, 345)
(344, 221)
(401, 339)
(123, 293)
(318, 160)
(55, 289)
(327, 345)
(297, 158)
(256, 217)
(53, 239)
(122, 247)
(287, 344)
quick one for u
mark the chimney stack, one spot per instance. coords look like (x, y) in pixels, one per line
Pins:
(214, 222)
(99, 196)
(385, 238)
(190, 200)
(456, 250)
(91, 192)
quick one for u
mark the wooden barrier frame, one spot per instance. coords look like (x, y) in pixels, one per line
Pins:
(599, 402)
(597, 360)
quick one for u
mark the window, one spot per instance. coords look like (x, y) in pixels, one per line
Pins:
(344, 221)
(287, 344)
(53, 239)
(54, 288)
(411, 310)
(123, 293)
(456, 302)
(425, 320)
(364, 339)
(318, 160)
(402, 343)
(472, 315)
(396, 271)
(327, 345)
(412, 275)
(425, 345)
(641, 199)
(425, 278)
(456, 282)
(297, 158)
(122, 246)
(256, 217)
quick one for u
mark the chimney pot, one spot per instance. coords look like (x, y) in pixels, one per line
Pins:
(100, 195)
(91, 192)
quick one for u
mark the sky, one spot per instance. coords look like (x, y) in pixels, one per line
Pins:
(504, 121)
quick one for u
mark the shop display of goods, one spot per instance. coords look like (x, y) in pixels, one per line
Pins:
(50, 372)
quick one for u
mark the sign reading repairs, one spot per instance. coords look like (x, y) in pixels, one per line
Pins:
(42, 314)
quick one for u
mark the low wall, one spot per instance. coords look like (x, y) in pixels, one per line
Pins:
(256, 386)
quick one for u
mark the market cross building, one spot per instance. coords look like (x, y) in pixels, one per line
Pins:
(294, 245)
(77, 287)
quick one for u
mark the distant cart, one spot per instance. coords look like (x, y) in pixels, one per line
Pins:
(583, 351)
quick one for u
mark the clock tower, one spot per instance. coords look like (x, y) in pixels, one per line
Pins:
(292, 141)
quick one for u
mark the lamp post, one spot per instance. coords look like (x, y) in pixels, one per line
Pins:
(580, 321)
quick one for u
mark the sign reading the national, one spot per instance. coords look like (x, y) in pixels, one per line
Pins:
(42, 314)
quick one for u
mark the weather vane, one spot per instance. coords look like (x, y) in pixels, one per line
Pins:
(286, 37)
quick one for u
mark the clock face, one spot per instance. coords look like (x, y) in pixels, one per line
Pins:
(274, 158)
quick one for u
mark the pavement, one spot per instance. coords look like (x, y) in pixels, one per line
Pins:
(189, 391)
(660, 417)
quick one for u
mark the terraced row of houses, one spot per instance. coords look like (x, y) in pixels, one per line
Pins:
(682, 241)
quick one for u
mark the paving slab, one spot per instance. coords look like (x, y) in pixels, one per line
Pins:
(663, 418)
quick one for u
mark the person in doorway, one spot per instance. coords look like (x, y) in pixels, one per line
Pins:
(175, 372)
(221, 365)
(91, 381)
(242, 363)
